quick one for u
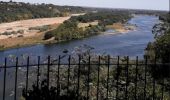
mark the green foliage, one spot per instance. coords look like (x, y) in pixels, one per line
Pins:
(12, 11)
(40, 28)
(48, 35)
(1, 47)
(161, 44)
(44, 93)
(105, 18)
(69, 29)
(160, 48)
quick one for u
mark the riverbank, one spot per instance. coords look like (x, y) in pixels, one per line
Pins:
(28, 32)
(121, 44)
(53, 30)
(119, 28)
(17, 42)
(38, 38)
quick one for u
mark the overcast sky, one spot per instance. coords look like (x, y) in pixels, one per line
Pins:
(132, 4)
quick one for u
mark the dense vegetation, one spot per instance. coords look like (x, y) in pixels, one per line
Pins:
(159, 49)
(115, 76)
(12, 11)
(69, 29)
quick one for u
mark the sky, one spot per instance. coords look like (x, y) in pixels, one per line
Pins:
(131, 4)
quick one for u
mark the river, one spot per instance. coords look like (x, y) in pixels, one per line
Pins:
(132, 43)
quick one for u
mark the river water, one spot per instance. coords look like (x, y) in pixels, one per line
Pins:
(132, 44)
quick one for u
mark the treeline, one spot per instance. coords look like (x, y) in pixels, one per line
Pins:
(162, 38)
(12, 11)
(105, 18)
(159, 50)
(69, 29)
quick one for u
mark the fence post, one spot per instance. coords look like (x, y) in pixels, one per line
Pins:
(117, 77)
(68, 80)
(48, 71)
(162, 94)
(78, 78)
(88, 87)
(108, 70)
(127, 78)
(155, 65)
(163, 81)
(136, 79)
(4, 85)
(27, 75)
(98, 78)
(146, 64)
(16, 79)
(58, 78)
(38, 71)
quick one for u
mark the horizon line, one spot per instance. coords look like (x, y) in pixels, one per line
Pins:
(168, 10)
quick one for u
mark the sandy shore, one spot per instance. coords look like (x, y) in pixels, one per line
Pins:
(30, 37)
(119, 28)
(24, 26)
(27, 37)
(18, 33)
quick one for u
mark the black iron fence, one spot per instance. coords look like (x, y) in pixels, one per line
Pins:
(81, 78)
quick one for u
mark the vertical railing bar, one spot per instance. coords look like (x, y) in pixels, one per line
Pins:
(163, 80)
(146, 64)
(78, 79)
(16, 78)
(136, 79)
(117, 76)
(27, 73)
(162, 95)
(4, 85)
(98, 78)
(108, 69)
(38, 71)
(127, 78)
(48, 71)
(58, 78)
(68, 80)
(88, 87)
(155, 65)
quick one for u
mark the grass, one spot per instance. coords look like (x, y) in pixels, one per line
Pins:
(24, 41)
(83, 25)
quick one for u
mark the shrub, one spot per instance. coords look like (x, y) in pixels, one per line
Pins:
(48, 35)
(43, 93)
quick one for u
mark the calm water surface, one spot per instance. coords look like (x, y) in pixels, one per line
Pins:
(132, 43)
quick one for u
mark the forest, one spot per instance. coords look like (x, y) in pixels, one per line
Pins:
(12, 11)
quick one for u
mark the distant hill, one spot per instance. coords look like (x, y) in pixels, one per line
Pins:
(12, 11)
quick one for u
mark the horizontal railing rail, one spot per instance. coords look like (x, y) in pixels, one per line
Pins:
(97, 78)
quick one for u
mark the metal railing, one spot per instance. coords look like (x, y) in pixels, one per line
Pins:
(96, 78)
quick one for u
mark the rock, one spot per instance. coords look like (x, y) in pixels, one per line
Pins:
(65, 51)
